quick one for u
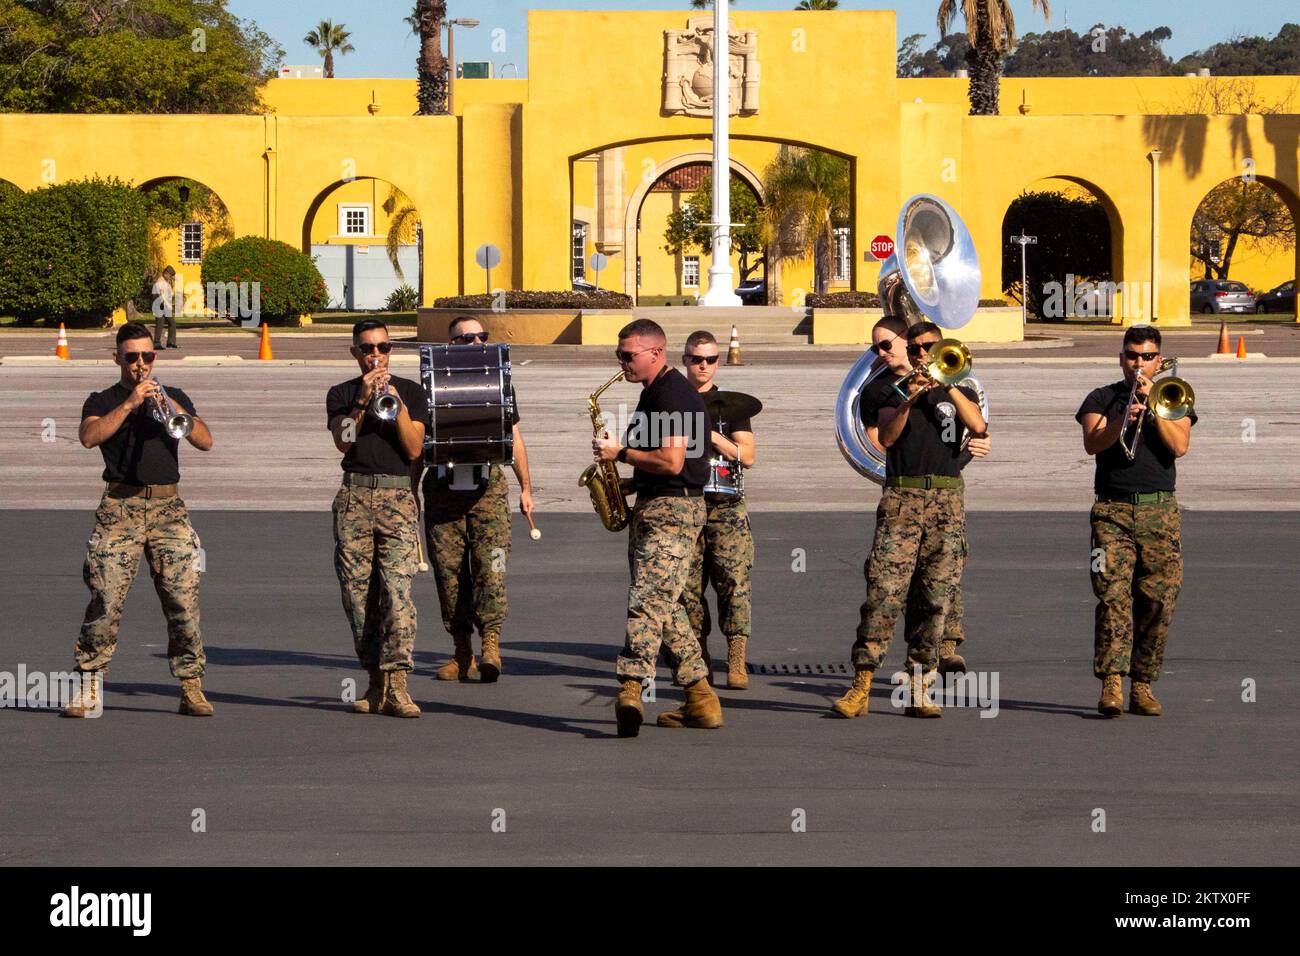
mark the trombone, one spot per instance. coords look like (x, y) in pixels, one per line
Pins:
(949, 362)
(1170, 398)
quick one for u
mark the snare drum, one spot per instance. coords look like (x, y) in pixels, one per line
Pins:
(726, 477)
(471, 404)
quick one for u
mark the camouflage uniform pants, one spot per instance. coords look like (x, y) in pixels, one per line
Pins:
(1137, 572)
(724, 557)
(920, 535)
(375, 550)
(160, 528)
(661, 545)
(954, 615)
(469, 542)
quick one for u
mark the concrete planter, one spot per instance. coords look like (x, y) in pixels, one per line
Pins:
(853, 326)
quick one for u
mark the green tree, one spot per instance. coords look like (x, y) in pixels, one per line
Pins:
(991, 29)
(167, 210)
(131, 56)
(818, 5)
(404, 228)
(808, 193)
(1249, 56)
(1073, 239)
(688, 227)
(431, 66)
(326, 38)
(1233, 210)
(943, 59)
(1099, 52)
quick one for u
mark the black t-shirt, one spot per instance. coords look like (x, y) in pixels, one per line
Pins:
(670, 407)
(1152, 469)
(140, 452)
(377, 450)
(921, 448)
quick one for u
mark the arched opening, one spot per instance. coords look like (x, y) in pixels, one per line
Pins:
(1242, 248)
(1063, 251)
(367, 238)
(187, 219)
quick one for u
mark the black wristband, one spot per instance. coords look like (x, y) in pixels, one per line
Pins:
(622, 455)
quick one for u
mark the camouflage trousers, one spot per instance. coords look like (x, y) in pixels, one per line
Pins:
(469, 544)
(724, 557)
(1137, 572)
(916, 560)
(161, 529)
(661, 546)
(375, 550)
(954, 628)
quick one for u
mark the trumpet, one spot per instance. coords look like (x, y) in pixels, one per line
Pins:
(176, 423)
(385, 404)
(1170, 398)
(949, 363)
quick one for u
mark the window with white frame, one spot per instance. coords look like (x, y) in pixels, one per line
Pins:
(354, 220)
(192, 242)
(579, 253)
(843, 254)
(691, 272)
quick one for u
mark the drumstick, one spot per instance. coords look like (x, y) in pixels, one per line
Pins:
(535, 533)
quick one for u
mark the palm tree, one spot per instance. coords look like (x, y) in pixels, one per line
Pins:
(326, 38)
(403, 227)
(818, 5)
(426, 20)
(808, 192)
(991, 29)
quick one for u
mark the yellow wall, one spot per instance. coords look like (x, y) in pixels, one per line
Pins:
(505, 169)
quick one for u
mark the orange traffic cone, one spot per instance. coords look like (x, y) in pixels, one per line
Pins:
(733, 350)
(1241, 346)
(1223, 339)
(264, 350)
(61, 348)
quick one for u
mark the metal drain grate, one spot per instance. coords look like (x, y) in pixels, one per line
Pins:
(776, 669)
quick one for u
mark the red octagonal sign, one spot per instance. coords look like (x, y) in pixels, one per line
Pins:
(882, 247)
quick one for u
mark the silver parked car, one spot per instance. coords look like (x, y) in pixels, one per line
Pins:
(1221, 295)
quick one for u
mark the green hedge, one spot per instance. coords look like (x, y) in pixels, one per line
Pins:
(73, 252)
(563, 300)
(291, 285)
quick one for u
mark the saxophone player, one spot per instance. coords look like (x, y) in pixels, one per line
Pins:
(667, 447)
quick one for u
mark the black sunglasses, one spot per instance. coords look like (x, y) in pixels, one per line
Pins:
(698, 359)
(1144, 356)
(916, 348)
(626, 357)
(130, 358)
(469, 338)
(367, 348)
(880, 348)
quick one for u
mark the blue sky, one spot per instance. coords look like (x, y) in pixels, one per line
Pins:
(384, 47)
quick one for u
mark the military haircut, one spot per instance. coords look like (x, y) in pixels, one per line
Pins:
(892, 323)
(647, 329)
(132, 330)
(1137, 334)
(364, 326)
(922, 327)
(700, 338)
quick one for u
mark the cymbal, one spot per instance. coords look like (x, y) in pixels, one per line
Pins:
(732, 406)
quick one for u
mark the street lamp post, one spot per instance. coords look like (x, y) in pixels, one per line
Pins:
(721, 292)
(451, 55)
(1025, 242)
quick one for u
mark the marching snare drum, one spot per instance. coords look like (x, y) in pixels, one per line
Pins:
(726, 477)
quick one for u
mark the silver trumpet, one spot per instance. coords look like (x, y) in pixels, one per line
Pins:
(176, 423)
(385, 405)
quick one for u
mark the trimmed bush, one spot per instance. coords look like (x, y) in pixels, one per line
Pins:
(842, 300)
(402, 299)
(73, 252)
(291, 285)
(538, 300)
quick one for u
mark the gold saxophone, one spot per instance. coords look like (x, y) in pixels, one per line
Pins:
(601, 480)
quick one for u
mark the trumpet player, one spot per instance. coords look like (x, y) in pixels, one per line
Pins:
(920, 522)
(1137, 564)
(375, 516)
(141, 511)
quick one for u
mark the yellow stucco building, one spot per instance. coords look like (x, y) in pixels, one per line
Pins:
(570, 160)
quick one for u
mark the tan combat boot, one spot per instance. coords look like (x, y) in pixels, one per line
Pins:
(489, 662)
(737, 674)
(1111, 703)
(90, 698)
(373, 699)
(855, 701)
(1141, 701)
(462, 665)
(702, 709)
(627, 709)
(397, 702)
(919, 693)
(950, 662)
(193, 703)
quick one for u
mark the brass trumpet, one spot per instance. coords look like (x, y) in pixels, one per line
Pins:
(601, 480)
(1170, 398)
(949, 362)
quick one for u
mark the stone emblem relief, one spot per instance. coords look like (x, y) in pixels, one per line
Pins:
(688, 70)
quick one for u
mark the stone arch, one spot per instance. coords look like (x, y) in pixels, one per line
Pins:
(1284, 193)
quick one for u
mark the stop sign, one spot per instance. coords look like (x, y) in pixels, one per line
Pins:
(882, 247)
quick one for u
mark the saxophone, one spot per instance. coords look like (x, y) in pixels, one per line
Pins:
(601, 480)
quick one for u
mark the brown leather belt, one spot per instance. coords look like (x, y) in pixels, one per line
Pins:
(119, 490)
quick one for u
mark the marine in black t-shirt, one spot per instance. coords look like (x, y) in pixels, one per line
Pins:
(921, 448)
(669, 408)
(1152, 468)
(140, 452)
(377, 449)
